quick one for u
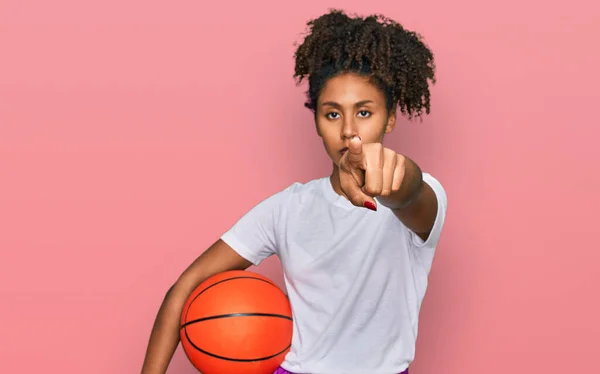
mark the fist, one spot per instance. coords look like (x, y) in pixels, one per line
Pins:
(370, 170)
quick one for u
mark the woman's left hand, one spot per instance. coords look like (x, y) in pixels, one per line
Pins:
(370, 170)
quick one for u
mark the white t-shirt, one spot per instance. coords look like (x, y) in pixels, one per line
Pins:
(355, 277)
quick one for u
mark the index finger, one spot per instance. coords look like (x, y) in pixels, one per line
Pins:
(355, 153)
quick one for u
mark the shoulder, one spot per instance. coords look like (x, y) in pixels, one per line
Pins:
(307, 189)
(435, 185)
(439, 191)
(296, 193)
(440, 217)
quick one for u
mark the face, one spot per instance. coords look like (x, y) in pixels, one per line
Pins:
(349, 105)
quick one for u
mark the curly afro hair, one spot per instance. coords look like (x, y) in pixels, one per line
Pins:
(395, 59)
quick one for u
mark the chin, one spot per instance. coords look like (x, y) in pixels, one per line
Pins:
(335, 159)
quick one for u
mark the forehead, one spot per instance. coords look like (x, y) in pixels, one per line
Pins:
(350, 88)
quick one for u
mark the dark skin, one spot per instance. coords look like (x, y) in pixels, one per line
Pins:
(352, 119)
(350, 107)
(164, 337)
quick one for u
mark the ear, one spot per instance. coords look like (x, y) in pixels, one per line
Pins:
(391, 122)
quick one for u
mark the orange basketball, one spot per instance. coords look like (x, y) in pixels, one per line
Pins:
(236, 322)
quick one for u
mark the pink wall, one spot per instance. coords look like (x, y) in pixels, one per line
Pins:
(133, 133)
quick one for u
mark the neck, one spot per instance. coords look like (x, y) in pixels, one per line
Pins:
(335, 181)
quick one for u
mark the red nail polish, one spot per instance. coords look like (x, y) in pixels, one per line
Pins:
(370, 205)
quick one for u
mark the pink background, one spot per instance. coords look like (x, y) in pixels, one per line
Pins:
(133, 133)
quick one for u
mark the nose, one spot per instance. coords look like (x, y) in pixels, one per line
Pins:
(349, 129)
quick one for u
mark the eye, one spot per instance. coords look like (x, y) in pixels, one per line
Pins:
(364, 113)
(332, 115)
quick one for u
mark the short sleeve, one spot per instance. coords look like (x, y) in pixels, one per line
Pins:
(254, 235)
(436, 230)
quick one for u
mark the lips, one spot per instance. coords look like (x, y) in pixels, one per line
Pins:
(344, 150)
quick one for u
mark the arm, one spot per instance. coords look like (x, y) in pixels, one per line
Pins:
(370, 170)
(415, 203)
(164, 337)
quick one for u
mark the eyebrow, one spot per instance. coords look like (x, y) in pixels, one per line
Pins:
(336, 105)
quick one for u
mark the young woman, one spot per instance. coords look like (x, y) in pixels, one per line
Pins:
(356, 247)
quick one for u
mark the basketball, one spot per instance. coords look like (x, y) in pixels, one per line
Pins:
(236, 322)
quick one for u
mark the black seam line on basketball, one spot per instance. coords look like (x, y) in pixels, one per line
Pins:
(231, 358)
(236, 315)
(221, 281)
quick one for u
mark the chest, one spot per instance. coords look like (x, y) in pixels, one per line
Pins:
(328, 247)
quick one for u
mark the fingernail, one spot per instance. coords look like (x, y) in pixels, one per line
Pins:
(370, 205)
